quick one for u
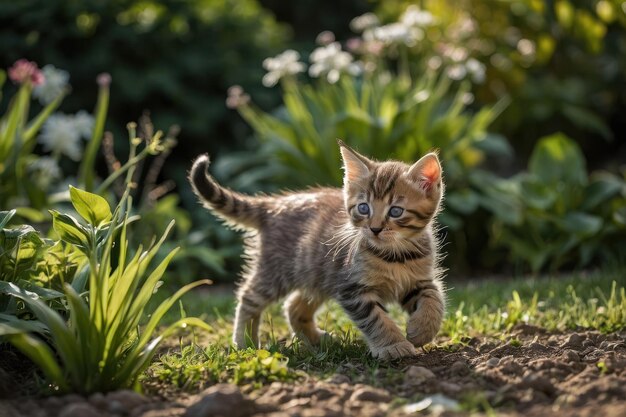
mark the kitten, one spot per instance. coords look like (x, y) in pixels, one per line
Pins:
(366, 245)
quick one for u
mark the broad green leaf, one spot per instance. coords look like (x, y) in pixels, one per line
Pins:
(463, 201)
(581, 224)
(16, 325)
(495, 144)
(31, 214)
(557, 158)
(24, 236)
(537, 195)
(91, 207)
(586, 119)
(602, 188)
(69, 230)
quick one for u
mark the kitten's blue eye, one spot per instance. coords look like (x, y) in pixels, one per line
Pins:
(396, 211)
(363, 208)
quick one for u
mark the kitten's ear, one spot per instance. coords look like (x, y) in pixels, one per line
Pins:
(426, 172)
(356, 165)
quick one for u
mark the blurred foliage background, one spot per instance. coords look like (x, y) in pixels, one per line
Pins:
(525, 99)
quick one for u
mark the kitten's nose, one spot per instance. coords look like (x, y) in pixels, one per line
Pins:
(376, 230)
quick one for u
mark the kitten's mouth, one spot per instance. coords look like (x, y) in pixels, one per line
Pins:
(382, 236)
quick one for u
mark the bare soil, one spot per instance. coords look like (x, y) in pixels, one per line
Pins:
(535, 373)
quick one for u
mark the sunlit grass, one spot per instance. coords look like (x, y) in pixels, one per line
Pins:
(476, 309)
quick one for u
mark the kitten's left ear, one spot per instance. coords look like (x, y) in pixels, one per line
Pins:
(426, 172)
(356, 165)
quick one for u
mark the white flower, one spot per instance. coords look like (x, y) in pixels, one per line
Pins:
(476, 69)
(332, 61)
(281, 65)
(44, 171)
(526, 47)
(395, 33)
(55, 82)
(61, 133)
(84, 122)
(456, 71)
(363, 22)
(413, 16)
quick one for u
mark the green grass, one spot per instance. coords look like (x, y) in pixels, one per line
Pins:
(487, 308)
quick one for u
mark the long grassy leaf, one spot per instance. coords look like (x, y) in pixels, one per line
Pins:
(84, 333)
(34, 126)
(60, 334)
(41, 355)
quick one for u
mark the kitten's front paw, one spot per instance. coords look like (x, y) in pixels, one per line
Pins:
(395, 351)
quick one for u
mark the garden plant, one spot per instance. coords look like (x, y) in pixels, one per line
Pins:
(106, 260)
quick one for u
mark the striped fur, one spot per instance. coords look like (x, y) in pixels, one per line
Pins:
(313, 245)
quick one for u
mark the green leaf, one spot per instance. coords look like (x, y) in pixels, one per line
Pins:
(495, 144)
(69, 230)
(39, 353)
(581, 224)
(31, 214)
(586, 119)
(602, 188)
(463, 201)
(5, 217)
(558, 158)
(91, 207)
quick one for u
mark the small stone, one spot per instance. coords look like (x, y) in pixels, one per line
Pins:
(538, 347)
(570, 355)
(493, 362)
(574, 341)
(79, 409)
(459, 368)
(339, 379)
(296, 403)
(539, 383)
(486, 347)
(124, 401)
(511, 367)
(370, 394)
(323, 394)
(450, 388)
(97, 400)
(542, 363)
(117, 407)
(221, 400)
(588, 343)
(567, 399)
(416, 375)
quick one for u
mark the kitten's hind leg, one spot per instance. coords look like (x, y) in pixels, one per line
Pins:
(250, 304)
(300, 312)
(426, 307)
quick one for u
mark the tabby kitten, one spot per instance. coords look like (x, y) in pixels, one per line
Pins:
(365, 246)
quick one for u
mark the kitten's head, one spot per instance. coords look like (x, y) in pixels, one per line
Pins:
(391, 202)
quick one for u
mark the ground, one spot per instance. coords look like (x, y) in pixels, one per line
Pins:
(504, 353)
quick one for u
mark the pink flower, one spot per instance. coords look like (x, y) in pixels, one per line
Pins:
(104, 79)
(24, 70)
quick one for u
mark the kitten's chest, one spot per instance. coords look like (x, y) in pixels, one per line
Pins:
(392, 280)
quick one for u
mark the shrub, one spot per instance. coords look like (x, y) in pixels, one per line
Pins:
(383, 105)
(559, 61)
(175, 58)
(99, 346)
(555, 214)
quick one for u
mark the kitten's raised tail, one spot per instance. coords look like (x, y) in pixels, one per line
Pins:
(237, 209)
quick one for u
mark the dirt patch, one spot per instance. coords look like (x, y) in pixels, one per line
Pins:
(532, 374)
